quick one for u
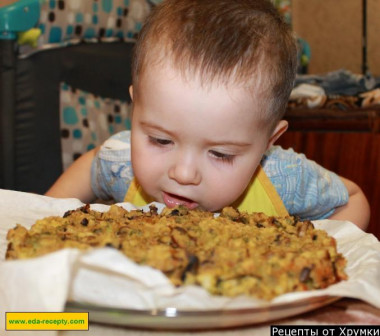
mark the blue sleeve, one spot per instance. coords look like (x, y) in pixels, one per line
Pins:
(307, 189)
(111, 170)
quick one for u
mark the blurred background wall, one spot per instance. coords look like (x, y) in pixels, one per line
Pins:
(333, 29)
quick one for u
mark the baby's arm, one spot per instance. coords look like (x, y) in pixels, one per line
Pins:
(357, 209)
(76, 180)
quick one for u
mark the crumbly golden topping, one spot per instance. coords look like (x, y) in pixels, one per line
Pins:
(232, 254)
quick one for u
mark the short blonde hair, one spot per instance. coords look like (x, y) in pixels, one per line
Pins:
(246, 41)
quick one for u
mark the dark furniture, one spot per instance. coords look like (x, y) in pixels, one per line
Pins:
(30, 147)
(346, 142)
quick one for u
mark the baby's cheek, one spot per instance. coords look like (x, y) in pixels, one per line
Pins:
(139, 166)
(224, 194)
(236, 186)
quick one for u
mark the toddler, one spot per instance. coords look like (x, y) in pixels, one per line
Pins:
(211, 81)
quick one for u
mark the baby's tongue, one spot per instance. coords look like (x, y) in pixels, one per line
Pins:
(171, 201)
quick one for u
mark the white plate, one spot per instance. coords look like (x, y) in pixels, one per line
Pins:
(171, 318)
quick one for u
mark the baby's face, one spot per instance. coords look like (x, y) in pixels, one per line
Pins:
(193, 145)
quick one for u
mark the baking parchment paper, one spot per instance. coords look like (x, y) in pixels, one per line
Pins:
(108, 278)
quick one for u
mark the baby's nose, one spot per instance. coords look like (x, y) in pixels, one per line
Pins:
(185, 171)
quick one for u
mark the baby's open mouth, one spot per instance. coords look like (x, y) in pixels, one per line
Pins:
(172, 200)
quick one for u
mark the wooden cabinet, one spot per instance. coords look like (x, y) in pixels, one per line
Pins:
(346, 142)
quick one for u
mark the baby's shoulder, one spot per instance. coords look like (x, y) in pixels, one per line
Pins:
(118, 141)
(307, 189)
(117, 147)
(277, 158)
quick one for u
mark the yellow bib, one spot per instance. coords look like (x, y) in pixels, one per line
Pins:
(259, 196)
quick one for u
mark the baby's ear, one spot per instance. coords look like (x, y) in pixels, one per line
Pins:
(280, 129)
(131, 91)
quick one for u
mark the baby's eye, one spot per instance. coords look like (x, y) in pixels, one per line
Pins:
(159, 141)
(228, 158)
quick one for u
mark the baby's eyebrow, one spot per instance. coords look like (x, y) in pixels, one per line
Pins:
(147, 124)
(228, 143)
